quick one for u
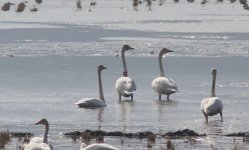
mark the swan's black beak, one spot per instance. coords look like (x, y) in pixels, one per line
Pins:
(42, 121)
(131, 48)
(170, 50)
(39, 122)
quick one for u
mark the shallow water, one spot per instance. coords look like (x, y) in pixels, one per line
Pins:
(47, 87)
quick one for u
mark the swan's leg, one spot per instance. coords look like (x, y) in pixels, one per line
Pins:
(206, 116)
(221, 116)
(119, 97)
(131, 97)
(159, 97)
(168, 97)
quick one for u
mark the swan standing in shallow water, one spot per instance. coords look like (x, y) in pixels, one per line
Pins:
(163, 85)
(98, 146)
(125, 85)
(38, 143)
(212, 105)
(94, 102)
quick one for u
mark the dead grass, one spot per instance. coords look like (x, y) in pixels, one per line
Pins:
(38, 1)
(170, 145)
(6, 6)
(86, 137)
(20, 8)
(4, 138)
(78, 4)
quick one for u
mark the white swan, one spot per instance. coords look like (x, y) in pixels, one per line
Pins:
(98, 146)
(125, 85)
(163, 85)
(212, 105)
(94, 102)
(38, 143)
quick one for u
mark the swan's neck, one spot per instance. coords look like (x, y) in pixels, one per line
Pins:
(161, 64)
(45, 138)
(125, 71)
(101, 94)
(213, 86)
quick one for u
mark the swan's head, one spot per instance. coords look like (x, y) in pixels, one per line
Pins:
(42, 121)
(101, 67)
(126, 48)
(165, 50)
(213, 71)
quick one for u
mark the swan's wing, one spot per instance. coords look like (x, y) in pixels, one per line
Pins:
(126, 85)
(90, 102)
(37, 146)
(131, 85)
(173, 85)
(36, 140)
(211, 105)
(164, 85)
(100, 146)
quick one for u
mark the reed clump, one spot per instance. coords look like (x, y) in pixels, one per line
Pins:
(21, 6)
(78, 4)
(86, 137)
(6, 6)
(170, 145)
(38, 1)
(4, 138)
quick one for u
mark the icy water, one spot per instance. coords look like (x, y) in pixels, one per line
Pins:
(84, 40)
(47, 87)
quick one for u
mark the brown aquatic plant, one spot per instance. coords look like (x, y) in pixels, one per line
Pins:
(170, 144)
(21, 6)
(86, 137)
(100, 139)
(149, 3)
(151, 138)
(135, 5)
(93, 3)
(4, 138)
(6, 6)
(38, 1)
(34, 9)
(78, 4)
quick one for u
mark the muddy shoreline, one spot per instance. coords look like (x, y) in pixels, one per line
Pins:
(141, 135)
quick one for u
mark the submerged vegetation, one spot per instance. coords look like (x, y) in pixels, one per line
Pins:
(21, 6)
(88, 134)
(6, 6)
(4, 138)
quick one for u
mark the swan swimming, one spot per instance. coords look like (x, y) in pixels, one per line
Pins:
(125, 85)
(161, 84)
(37, 143)
(94, 102)
(212, 105)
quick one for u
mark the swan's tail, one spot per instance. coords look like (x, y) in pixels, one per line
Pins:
(129, 92)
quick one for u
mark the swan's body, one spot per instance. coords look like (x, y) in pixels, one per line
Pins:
(99, 146)
(125, 85)
(212, 105)
(91, 102)
(94, 102)
(38, 143)
(163, 85)
(37, 146)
